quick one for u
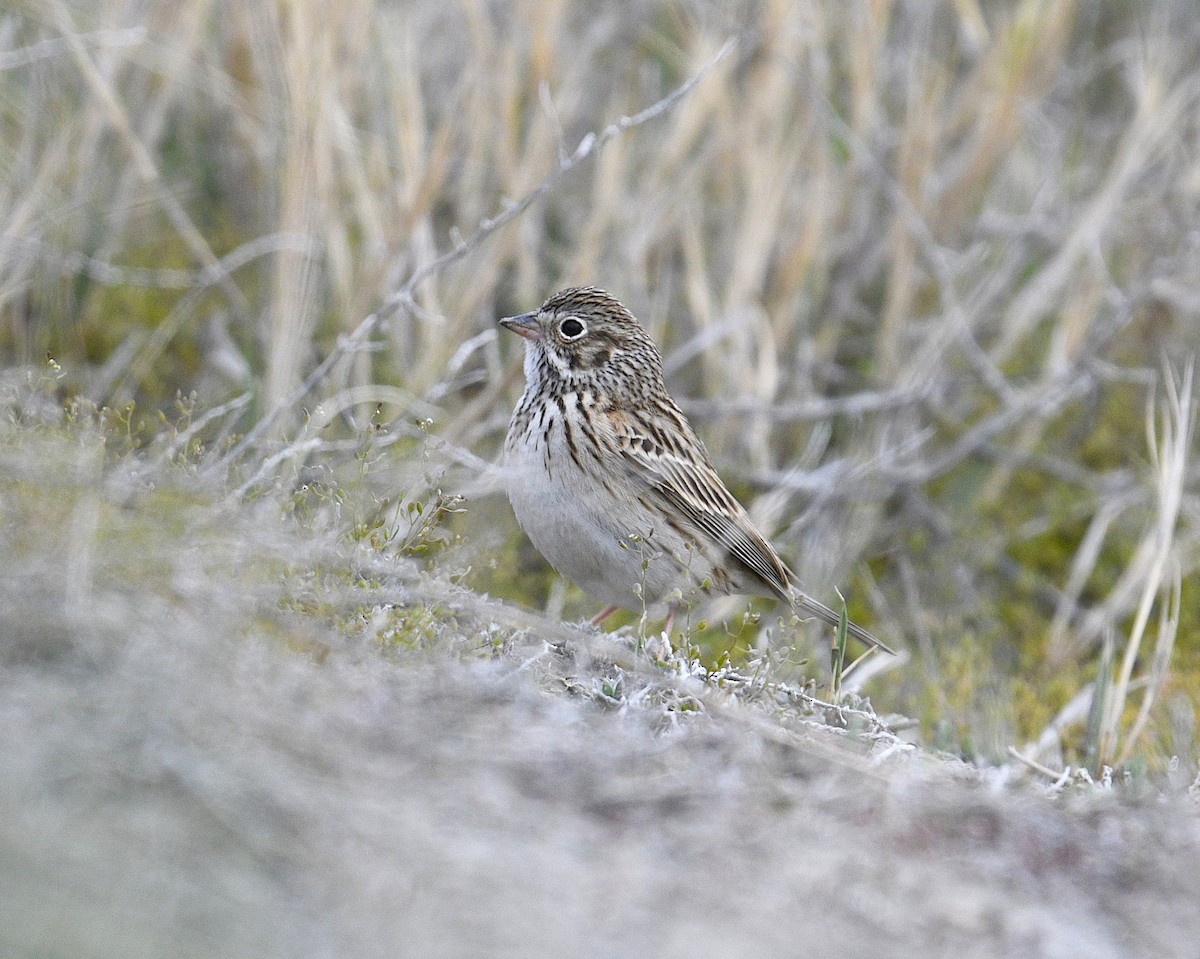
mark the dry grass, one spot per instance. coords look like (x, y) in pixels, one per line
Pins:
(915, 267)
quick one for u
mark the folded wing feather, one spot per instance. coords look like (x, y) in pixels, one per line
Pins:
(689, 485)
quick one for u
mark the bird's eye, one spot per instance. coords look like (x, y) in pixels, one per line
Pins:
(571, 328)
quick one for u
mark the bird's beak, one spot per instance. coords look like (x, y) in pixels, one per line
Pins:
(525, 325)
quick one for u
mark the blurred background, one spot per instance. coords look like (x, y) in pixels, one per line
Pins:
(924, 275)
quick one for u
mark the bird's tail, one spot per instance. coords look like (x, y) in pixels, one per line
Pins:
(827, 615)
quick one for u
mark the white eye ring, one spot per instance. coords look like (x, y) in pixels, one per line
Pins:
(566, 328)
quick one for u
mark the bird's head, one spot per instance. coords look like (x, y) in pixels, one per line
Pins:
(583, 336)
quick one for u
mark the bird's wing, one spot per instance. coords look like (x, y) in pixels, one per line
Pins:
(683, 477)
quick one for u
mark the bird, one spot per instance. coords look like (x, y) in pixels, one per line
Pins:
(610, 482)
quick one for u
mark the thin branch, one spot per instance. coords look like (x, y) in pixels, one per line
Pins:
(813, 408)
(180, 442)
(1059, 777)
(66, 262)
(53, 47)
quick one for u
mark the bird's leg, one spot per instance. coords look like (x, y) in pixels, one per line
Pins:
(671, 610)
(601, 616)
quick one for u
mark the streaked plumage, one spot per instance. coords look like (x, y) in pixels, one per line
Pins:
(607, 477)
